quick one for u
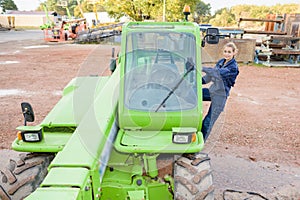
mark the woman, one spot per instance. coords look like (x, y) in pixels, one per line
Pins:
(223, 77)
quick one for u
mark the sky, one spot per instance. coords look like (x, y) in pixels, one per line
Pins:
(215, 4)
(27, 4)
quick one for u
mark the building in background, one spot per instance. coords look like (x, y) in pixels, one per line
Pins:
(24, 18)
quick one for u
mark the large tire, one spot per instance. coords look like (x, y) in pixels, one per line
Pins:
(193, 178)
(23, 173)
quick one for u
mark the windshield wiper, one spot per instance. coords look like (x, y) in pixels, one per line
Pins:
(189, 66)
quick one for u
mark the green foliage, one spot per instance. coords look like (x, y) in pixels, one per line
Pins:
(8, 5)
(202, 12)
(87, 7)
(223, 17)
(139, 10)
(230, 17)
(135, 9)
(55, 5)
(153, 9)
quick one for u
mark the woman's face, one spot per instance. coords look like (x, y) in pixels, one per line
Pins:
(228, 53)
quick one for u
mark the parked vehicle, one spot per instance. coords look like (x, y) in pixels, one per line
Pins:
(133, 135)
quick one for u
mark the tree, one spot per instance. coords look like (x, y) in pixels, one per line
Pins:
(223, 17)
(87, 7)
(202, 12)
(8, 5)
(148, 9)
(55, 5)
(175, 9)
(135, 9)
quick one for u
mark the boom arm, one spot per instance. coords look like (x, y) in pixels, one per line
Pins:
(76, 171)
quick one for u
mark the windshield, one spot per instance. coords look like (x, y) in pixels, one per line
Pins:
(155, 63)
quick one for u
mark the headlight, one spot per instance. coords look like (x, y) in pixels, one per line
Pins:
(182, 138)
(184, 135)
(31, 136)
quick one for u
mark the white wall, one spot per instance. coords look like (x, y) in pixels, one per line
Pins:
(103, 17)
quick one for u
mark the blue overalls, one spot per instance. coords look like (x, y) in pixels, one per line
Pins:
(223, 77)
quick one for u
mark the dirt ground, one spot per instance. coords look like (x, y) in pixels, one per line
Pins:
(255, 145)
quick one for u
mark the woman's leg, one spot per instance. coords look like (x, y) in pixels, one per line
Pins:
(215, 109)
(205, 94)
(206, 120)
(206, 124)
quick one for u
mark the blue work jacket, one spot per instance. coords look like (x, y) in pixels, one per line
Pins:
(222, 75)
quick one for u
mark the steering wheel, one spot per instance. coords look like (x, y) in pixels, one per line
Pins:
(164, 74)
(148, 96)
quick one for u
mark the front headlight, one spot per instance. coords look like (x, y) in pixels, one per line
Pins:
(31, 136)
(182, 138)
(184, 135)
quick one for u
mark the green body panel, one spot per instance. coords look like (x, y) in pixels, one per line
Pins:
(149, 191)
(136, 195)
(154, 142)
(124, 178)
(63, 119)
(52, 142)
(61, 193)
(165, 121)
(78, 96)
(75, 153)
(76, 177)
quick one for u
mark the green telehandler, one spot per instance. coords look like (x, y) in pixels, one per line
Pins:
(133, 135)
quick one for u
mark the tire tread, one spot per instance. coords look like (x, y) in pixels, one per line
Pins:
(193, 178)
(23, 174)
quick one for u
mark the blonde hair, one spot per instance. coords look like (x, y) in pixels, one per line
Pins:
(231, 45)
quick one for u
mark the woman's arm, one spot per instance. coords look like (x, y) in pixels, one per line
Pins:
(211, 72)
(229, 71)
(206, 79)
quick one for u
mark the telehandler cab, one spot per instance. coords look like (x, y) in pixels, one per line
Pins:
(134, 135)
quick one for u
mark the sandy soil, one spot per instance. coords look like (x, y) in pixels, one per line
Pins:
(255, 145)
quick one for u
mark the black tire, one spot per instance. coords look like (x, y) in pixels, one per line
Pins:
(193, 178)
(23, 174)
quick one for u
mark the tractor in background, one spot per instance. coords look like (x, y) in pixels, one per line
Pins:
(132, 135)
(59, 29)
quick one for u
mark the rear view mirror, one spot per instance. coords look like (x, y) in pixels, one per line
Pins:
(212, 35)
(113, 61)
(27, 112)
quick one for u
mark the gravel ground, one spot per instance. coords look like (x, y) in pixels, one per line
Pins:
(254, 147)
